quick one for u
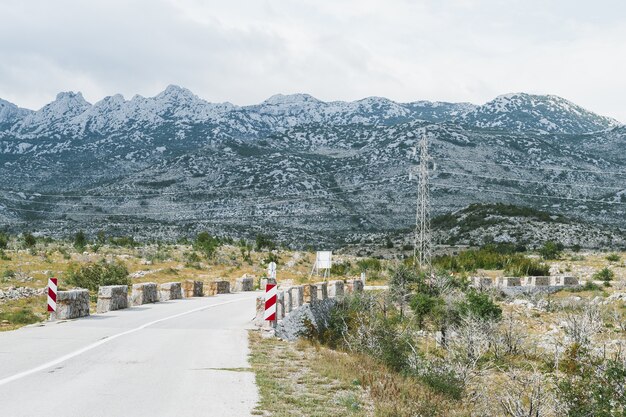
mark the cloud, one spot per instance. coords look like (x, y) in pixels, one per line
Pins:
(245, 51)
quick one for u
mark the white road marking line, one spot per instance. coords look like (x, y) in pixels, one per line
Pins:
(103, 341)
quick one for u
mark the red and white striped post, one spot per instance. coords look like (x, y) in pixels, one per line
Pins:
(271, 293)
(52, 295)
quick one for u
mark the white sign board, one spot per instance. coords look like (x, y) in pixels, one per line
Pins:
(324, 259)
(271, 270)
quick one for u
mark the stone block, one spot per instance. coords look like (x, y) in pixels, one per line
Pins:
(297, 296)
(192, 288)
(538, 281)
(508, 282)
(265, 281)
(482, 282)
(112, 297)
(310, 293)
(335, 289)
(144, 293)
(219, 287)
(244, 283)
(358, 285)
(288, 301)
(322, 290)
(349, 286)
(170, 291)
(72, 304)
(280, 305)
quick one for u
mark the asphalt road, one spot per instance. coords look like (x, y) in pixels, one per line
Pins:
(177, 358)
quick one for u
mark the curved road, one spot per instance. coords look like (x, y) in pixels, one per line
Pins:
(177, 358)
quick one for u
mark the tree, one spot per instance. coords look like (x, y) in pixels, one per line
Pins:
(480, 305)
(206, 244)
(80, 241)
(551, 250)
(29, 240)
(401, 284)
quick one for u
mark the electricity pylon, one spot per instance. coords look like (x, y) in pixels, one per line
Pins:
(422, 247)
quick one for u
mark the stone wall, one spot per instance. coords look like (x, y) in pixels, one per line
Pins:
(144, 293)
(219, 287)
(312, 302)
(170, 291)
(72, 304)
(192, 288)
(112, 297)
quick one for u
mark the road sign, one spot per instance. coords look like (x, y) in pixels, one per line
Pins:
(52, 294)
(271, 270)
(271, 293)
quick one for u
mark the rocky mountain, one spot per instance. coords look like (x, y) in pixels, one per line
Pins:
(294, 166)
(543, 114)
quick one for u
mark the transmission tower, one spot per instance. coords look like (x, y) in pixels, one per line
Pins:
(422, 247)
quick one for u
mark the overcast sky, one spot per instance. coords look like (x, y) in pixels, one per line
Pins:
(246, 51)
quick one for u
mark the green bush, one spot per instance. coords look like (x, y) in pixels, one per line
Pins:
(522, 267)
(614, 257)
(605, 274)
(93, 275)
(124, 241)
(551, 250)
(206, 244)
(264, 242)
(4, 240)
(444, 382)
(80, 241)
(340, 268)
(368, 265)
(480, 305)
(29, 240)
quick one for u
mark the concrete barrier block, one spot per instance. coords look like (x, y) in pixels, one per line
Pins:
(538, 281)
(265, 281)
(170, 291)
(244, 284)
(144, 293)
(508, 282)
(219, 287)
(192, 288)
(310, 293)
(72, 304)
(288, 301)
(322, 290)
(482, 282)
(280, 305)
(297, 296)
(358, 285)
(112, 297)
(335, 289)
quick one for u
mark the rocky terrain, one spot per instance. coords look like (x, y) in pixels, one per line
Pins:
(296, 167)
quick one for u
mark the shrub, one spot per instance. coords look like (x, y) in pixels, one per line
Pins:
(4, 240)
(206, 244)
(480, 305)
(80, 241)
(29, 240)
(264, 242)
(368, 264)
(605, 274)
(23, 316)
(93, 275)
(125, 241)
(614, 257)
(551, 250)
(522, 266)
(341, 268)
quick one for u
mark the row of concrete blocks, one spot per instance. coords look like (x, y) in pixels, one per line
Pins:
(75, 303)
(556, 281)
(291, 298)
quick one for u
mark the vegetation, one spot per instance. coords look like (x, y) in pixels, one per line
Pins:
(206, 244)
(551, 250)
(605, 274)
(80, 241)
(29, 240)
(91, 276)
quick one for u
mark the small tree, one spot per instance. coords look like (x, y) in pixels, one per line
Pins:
(80, 241)
(605, 274)
(206, 244)
(4, 240)
(29, 240)
(402, 281)
(551, 250)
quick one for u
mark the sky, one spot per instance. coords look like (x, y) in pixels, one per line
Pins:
(246, 51)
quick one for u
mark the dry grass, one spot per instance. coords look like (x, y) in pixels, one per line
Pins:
(291, 385)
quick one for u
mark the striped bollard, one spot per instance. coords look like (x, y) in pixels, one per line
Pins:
(52, 295)
(270, 302)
